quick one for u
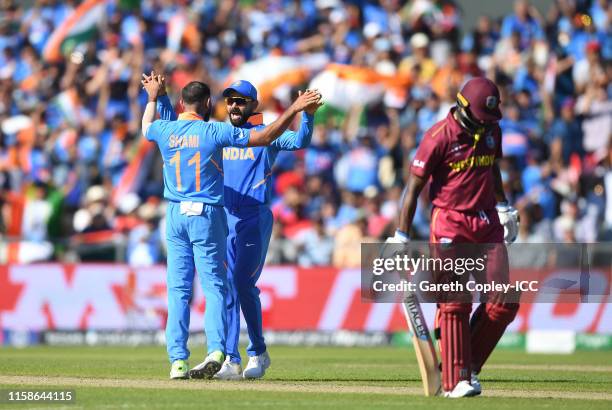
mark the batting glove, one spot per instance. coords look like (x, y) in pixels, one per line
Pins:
(390, 248)
(509, 219)
(399, 237)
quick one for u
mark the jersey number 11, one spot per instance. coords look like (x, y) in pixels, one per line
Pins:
(176, 161)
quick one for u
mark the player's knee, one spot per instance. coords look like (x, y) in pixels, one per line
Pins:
(180, 287)
(502, 312)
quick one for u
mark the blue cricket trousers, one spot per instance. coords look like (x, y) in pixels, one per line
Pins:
(247, 244)
(196, 243)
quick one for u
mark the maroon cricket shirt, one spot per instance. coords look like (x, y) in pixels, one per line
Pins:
(460, 170)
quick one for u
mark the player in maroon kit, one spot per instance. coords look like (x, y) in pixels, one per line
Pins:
(458, 155)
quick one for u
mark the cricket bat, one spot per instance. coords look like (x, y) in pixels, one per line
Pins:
(423, 345)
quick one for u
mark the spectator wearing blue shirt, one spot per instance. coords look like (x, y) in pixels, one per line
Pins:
(428, 115)
(526, 80)
(483, 39)
(565, 135)
(583, 32)
(515, 141)
(529, 114)
(525, 20)
(361, 164)
(320, 155)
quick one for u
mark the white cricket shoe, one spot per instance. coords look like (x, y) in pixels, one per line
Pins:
(209, 367)
(476, 383)
(179, 370)
(229, 371)
(462, 389)
(256, 368)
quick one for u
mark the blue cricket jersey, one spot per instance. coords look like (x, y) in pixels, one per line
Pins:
(248, 169)
(192, 154)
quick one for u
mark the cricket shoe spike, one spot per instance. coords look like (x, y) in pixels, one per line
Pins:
(462, 389)
(179, 370)
(229, 371)
(256, 368)
(476, 383)
(211, 365)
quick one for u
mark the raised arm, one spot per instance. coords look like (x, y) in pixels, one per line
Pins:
(164, 105)
(291, 141)
(165, 109)
(152, 86)
(268, 134)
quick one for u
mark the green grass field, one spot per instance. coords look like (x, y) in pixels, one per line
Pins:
(302, 377)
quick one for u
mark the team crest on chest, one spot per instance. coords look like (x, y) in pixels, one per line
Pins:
(490, 141)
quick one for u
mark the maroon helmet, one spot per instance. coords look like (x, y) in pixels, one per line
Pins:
(479, 99)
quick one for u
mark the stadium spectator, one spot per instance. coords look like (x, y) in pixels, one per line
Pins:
(314, 247)
(526, 21)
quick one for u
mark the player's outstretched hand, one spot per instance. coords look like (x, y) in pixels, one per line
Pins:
(162, 81)
(307, 99)
(312, 108)
(152, 85)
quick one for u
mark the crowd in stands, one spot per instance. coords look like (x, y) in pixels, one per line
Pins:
(70, 128)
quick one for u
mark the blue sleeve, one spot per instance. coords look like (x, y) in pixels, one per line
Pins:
(153, 131)
(507, 26)
(164, 108)
(538, 33)
(554, 132)
(519, 79)
(226, 135)
(291, 141)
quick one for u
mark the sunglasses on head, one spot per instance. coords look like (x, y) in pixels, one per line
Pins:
(237, 100)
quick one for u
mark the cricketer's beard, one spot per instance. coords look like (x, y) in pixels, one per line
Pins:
(243, 117)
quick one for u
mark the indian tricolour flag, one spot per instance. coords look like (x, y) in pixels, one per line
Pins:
(344, 86)
(273, 71)
(68, 103)
(79, 26)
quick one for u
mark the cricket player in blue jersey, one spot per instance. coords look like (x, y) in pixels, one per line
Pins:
(196, 230)
(247, 206)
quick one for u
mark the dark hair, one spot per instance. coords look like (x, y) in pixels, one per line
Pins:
(195, 92)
